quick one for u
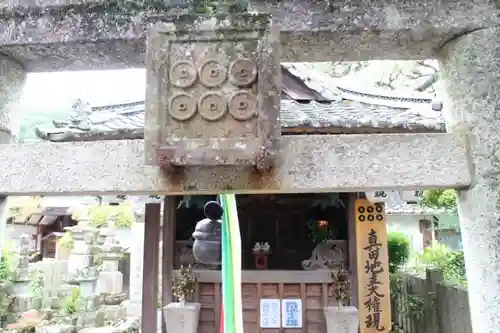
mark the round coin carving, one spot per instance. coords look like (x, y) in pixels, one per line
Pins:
(212, 106)
(183, 74)
(242, 105)
(242, 72)
(182, 106)
(212, 73)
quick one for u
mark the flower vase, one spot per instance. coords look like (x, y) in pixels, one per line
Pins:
(341, 319)
(182, 316)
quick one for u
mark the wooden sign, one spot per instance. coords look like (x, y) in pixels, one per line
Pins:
(373, 267)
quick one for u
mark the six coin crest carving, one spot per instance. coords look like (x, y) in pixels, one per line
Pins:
(213, 105)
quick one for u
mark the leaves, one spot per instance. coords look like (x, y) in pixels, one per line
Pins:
(72, 302)
(398, 246)
(440, 199)
(340, 285)
(184, 283)
(440, 256)
(99, 214)
(319, 231)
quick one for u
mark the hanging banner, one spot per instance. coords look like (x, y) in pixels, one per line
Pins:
(377, 196)
(411, 196)
(232, 321)
(373, 267)
(113, 199)
(154, 199)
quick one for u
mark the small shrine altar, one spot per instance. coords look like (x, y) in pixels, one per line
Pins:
(301, 240)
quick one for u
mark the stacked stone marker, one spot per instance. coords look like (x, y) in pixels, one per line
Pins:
(81, 270)
(110, 282)
(22, 293)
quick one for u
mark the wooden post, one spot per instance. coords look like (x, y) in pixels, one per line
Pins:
(373, 267)
(150, 268)
(432, 322)
(351, 230)
(168, 250)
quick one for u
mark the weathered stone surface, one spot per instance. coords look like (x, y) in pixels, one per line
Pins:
(55, 329)
(213, 93)
(312, 163)
(12, 77)
(130, 325)
(54, 35)
(471, 72)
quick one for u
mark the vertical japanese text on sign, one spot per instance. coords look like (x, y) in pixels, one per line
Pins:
(373, 267)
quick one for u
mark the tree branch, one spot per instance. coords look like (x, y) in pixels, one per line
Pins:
(424, 64)
(429, 82)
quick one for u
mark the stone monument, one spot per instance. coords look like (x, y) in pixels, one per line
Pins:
(82, 271)
(110, 282)
(22, 294)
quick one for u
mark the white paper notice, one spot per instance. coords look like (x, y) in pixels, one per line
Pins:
(270, 313)
(291, 313)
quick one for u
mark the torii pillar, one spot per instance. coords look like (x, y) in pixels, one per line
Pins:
(12, 79)
(470, 67)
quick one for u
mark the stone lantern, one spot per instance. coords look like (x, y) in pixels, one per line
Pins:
(207, 235)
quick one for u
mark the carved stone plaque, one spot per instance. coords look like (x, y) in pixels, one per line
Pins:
(213, 92)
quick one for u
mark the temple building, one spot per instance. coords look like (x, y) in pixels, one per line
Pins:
(303, 233)
(312, 103)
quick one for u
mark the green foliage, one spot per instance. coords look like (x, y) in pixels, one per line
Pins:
(398, 246)
(451, 262)
(34, 117)
(184, 283)
(340, 285)
(67, 241)
(319, 231)
(440, 199)
(455, 267)
(99, 215)
(72, 303)
(7, 268)
(37, 287)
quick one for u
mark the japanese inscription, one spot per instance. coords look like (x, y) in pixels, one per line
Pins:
(291, 313)
(373, 267)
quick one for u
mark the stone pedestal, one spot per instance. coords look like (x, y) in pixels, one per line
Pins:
(84, 236)
(181, 318)
(90, 300)
(470, 71)
(341, 319)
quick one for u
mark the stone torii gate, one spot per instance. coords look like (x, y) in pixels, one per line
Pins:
(39, 36)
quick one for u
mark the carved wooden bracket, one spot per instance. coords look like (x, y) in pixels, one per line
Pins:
(213, 92)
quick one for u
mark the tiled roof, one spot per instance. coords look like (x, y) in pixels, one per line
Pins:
(340, 108)
(397, 206)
